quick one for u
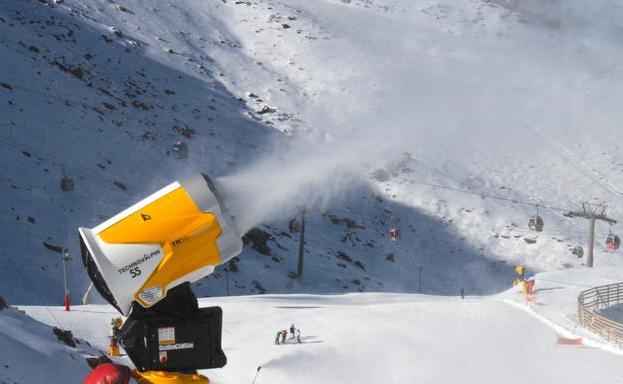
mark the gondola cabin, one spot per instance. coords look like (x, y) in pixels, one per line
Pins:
(613, 242)
(578, 251)
(179, 150)
(535, 223)
(394, 234)
(294, 226)
(67, 184)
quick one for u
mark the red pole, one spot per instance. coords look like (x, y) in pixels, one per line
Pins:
(66, 259)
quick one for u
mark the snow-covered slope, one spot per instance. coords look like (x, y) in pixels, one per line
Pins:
(395, 338)
(481, 98)
(33, 352)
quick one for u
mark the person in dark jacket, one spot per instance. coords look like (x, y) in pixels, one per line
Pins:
(284, 333)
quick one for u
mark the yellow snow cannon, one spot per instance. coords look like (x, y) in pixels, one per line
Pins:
(177, 235)
(142, 262)
(519, 274)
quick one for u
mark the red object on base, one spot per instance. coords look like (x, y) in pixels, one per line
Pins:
(568, 341)
(109, 374)
(67, 301)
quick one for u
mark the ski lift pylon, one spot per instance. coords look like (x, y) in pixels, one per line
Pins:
(535, 223)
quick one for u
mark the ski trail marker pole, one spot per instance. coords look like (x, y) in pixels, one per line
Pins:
(256, 373)
(85, 298)
(65, 257)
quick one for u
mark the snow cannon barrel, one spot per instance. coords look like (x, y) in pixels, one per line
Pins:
(178, 234)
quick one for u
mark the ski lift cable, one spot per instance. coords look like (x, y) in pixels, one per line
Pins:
(512, 231)
(495, 228)
(516, 230)
(563, 152)
(74, 193)
(495, 197)
(519, 229)
(17, 146)
(578, 165)
(511, 200)
(20, 146)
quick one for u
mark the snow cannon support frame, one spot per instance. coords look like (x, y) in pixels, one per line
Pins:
(170, 378)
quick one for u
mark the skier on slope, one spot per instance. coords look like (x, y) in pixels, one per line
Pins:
(277, 336)
(292, 329)
(297, 335)
(284, 333)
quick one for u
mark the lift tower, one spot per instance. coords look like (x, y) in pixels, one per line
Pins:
(592, 212)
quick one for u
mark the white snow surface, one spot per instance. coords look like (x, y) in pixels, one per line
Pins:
(30, 353)
(398, 338)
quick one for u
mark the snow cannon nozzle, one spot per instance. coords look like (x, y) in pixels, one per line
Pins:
(176, 235)
(221, 202)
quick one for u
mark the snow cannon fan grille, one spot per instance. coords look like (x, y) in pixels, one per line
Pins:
(95, 275)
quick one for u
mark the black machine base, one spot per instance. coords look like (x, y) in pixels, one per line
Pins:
(174, 335)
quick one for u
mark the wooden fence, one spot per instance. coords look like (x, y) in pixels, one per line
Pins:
(594, 299)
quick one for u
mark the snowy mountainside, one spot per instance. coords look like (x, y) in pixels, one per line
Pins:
(32, 352)
(467, 95)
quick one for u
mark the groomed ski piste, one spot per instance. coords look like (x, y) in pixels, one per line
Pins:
(359, 337)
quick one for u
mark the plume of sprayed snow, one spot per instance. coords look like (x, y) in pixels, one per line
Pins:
(449, 100)
(304, 175)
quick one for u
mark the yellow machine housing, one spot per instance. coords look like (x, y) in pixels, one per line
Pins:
(519, 274)
(176, 235)
(157, 377)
